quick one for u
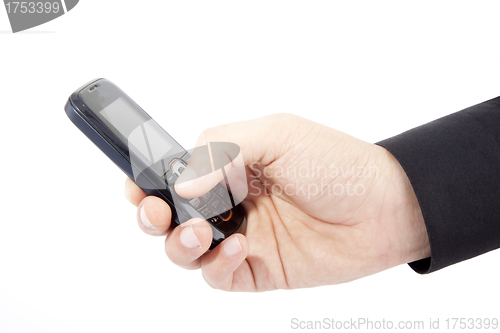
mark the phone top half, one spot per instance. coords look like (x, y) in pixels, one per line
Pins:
(148, 155)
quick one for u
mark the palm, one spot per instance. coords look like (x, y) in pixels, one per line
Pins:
(302, 238)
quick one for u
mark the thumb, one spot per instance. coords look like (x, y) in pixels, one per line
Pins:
(222, 153)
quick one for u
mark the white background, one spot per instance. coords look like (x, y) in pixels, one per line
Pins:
(72, 258)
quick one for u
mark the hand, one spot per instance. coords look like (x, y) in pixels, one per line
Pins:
(323, 208)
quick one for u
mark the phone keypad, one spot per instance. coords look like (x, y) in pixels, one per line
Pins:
(196, 203)
(217, 205)
(207, 196)
(206, 211)
(221, 192)
(212, 206)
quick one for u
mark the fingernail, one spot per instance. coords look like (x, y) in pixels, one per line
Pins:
(188, 237)
(144, 219)
(232, 246)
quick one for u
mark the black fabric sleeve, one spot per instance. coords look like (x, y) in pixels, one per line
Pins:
(453, 164)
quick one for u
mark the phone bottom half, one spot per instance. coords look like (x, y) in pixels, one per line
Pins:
(221, 229)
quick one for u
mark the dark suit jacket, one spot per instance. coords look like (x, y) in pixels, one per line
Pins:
(453, 164)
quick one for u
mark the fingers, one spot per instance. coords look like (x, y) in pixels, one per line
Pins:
(187, 245)
(133, 193)
(153, 216)
(218, 266)
(188, 242)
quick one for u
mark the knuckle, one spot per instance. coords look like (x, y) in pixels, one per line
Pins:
(213, 283)
(215, 280)
(283, 116)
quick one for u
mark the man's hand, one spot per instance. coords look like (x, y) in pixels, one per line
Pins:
(322, 208)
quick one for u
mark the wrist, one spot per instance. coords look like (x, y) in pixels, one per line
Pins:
(410, 233)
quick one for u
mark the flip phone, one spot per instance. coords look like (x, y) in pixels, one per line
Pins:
(148, 155)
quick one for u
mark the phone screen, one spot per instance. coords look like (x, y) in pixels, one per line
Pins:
(146, 140)
(121, 115)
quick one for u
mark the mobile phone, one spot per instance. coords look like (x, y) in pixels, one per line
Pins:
(149, 156)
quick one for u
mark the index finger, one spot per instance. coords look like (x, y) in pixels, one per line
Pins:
(133, 193)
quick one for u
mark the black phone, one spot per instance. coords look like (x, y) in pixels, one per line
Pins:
(149, 156)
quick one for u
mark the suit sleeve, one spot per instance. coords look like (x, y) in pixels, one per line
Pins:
(453, 164)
